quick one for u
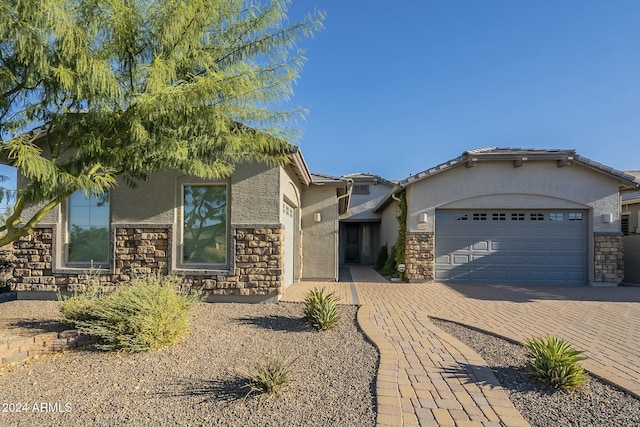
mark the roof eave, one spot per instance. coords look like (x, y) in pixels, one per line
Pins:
(300, 167)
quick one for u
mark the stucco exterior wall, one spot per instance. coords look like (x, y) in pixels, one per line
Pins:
(319, 239)
(499, 185)
(389, 225)
(255, 194)
(361, 205)
(149, 202)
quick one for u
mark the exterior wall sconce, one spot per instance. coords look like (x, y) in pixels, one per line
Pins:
(317, 217)
(422, 218)
(607, 218)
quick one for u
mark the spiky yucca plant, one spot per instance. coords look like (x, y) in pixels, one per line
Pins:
(554, 362)
(320, 309)
(271, 376)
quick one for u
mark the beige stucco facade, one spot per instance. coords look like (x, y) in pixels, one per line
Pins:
(320, 238)
(500, 185)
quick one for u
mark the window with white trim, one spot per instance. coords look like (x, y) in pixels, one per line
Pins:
(204, 225)
(87, 237)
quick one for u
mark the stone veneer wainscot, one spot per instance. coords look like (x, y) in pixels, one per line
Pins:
(256, 266)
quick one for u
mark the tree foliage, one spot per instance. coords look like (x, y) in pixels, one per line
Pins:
(128, 87)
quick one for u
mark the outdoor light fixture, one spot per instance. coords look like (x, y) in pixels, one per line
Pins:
(607, 218)
(402, 268)
(317, 217)
(422, 218)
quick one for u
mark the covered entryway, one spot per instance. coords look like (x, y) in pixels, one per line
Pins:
(357, 241)
(511, 247)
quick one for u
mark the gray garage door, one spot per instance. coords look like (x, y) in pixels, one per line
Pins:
(511, 247)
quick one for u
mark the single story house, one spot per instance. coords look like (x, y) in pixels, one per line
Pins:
(488, 216)
(512, 216)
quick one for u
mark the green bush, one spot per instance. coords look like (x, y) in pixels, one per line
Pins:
(382, 258)
(320, 309)
(552, 361)
(271, 376)
(147, 313)
(80, 306)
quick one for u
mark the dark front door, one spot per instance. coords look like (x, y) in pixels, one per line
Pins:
(352, 248)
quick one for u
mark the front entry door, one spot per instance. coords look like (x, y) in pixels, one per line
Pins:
(352, 248)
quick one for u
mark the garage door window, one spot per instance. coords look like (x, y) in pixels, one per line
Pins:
(517, 217)
(499, 216)
(575, 216)
(556, 216)
(537, 217)
(479, 216)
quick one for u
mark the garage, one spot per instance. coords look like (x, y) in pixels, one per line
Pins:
(511, 246)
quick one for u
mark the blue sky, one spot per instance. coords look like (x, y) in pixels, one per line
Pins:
(396, 88)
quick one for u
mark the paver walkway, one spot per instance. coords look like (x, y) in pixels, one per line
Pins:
(427, 377)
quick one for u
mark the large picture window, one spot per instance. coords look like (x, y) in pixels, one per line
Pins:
(204, 231)
(88, 229)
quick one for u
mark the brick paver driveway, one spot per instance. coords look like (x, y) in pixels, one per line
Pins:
(605, 322)
(428, 378)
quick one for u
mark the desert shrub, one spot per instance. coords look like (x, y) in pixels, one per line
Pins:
(554, 362)
(147, 313)
(271, 376)
(321, 309)
(80, 305)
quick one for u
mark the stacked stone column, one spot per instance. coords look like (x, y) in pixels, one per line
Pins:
(419, 256)
(608, 258)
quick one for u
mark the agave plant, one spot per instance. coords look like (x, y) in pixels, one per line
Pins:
(321, 309)
(554, 362)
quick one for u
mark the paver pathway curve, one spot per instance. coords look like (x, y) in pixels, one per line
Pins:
(427, 377)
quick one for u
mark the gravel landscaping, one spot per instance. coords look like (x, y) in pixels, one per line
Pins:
(201, 380)
(597, 404)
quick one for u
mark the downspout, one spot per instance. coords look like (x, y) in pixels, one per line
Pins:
(337, 230)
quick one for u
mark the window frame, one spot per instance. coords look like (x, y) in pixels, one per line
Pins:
(200, 266)
(66, 239)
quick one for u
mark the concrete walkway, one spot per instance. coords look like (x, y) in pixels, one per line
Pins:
(428, 378)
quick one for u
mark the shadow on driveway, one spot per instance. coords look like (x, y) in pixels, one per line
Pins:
(515, 293)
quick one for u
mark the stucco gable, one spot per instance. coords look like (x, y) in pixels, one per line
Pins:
(519, 157)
